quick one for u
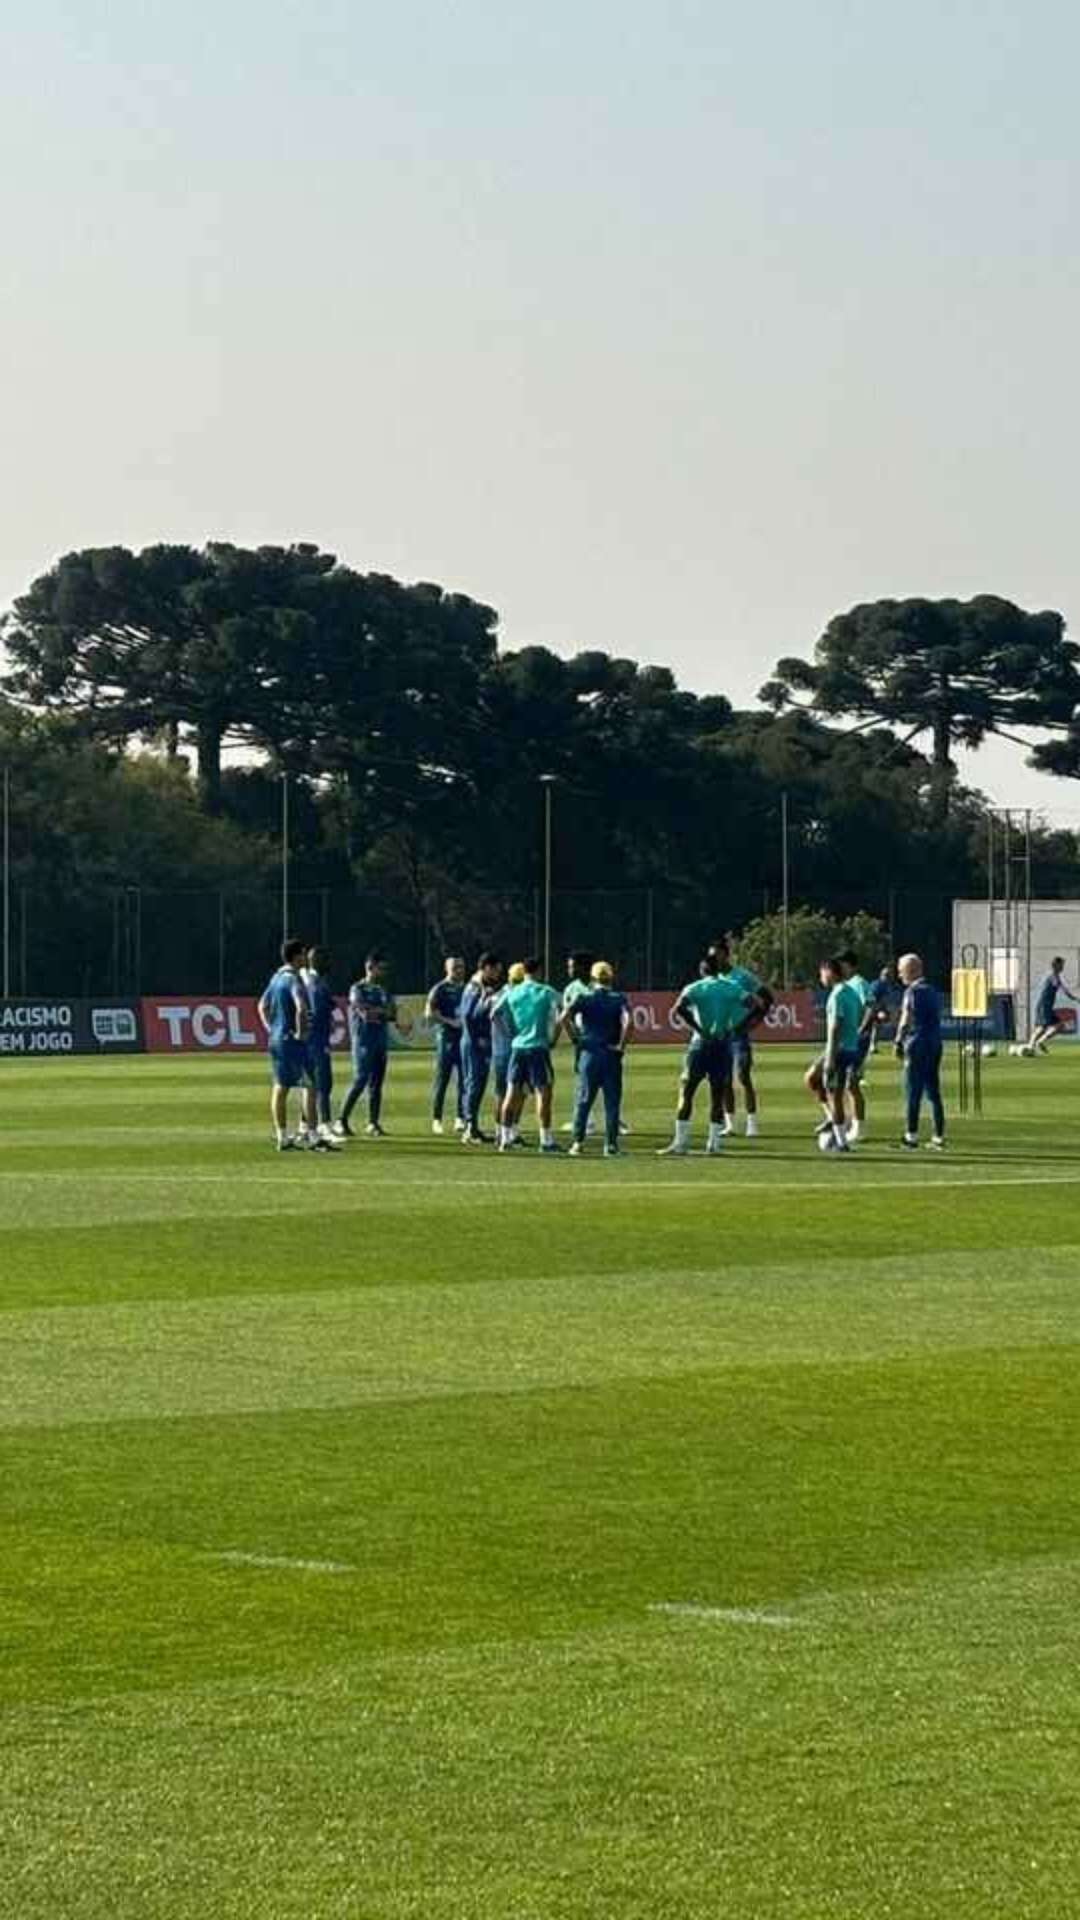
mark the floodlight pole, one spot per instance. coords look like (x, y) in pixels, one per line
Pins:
(1010, 931)
(547, 781)
(784, 892)
(285, 856)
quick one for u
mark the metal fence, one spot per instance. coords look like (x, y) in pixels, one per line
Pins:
(130, 940)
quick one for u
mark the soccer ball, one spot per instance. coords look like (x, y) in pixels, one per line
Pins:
(989, 1050)
(1014, 1051)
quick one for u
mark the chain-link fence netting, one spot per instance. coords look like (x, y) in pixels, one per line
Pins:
(130, 940)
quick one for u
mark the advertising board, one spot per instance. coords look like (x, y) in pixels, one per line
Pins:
(218, 1023)
(35, 1028)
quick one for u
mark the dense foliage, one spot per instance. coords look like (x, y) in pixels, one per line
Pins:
(413, 749)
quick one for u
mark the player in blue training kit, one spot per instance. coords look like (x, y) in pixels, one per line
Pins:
(477, 1003)
(502, 1041)
(882, 995)
(600, 1020)
(320, 1063)
(443, 1012)
(372, 1011)
(1047, 1018)
(918, 1044)
(286, 1016)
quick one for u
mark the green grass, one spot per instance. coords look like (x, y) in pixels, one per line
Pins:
(514, 1413)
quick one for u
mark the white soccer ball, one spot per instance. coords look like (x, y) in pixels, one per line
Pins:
(989, 1050)
(1014, 1051)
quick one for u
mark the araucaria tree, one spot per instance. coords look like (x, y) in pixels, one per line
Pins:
(953, 670)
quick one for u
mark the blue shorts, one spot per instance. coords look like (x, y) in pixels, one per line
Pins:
(845, 1074)
(288, 1062)
(863, 1049)
(320, 1070)
(1047, 1017)
(710, 1061)
(742, 1052)
(531, 1067)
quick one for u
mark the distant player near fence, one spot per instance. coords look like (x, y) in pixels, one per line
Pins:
(1047, 1018)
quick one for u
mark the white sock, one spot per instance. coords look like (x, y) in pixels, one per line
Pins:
(717, 1130)
(854, 1130)
(682, 1133)
(751, 1125)
(546, 1136)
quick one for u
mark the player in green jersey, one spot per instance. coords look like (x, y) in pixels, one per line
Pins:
(534, 1012)
(855, 979)
(578, 969)
(712, 1006)
(742, 1051)
(830, 1076)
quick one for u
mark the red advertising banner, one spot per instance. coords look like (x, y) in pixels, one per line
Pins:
(212, 1023)
(223, 1023)
(792, 1016)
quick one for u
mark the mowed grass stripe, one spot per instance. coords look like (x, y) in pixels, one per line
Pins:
(532, 1514)
(124, 1244)
(346, 1347)
(854, 1401)
(648, 1771)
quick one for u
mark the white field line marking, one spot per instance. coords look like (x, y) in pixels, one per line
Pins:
(734, 1616)
(279, 1560)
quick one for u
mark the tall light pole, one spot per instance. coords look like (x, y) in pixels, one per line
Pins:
(547, 781)
(784, 884)
(285, 856)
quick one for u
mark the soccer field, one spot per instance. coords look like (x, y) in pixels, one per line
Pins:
(423, 1532)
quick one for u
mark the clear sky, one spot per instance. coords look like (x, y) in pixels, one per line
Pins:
(670, 328)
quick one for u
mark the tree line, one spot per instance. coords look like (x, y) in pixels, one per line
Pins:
(413, 745)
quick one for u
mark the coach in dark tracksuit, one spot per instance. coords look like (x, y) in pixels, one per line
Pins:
(918, 1044)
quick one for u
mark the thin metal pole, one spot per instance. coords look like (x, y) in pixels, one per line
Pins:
(648, 980)
(221, 939)
(785, 899)
(547, 781)
(547, 880)
(285, 856)
(990, 900)
(1027, 923)
(7, 882)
